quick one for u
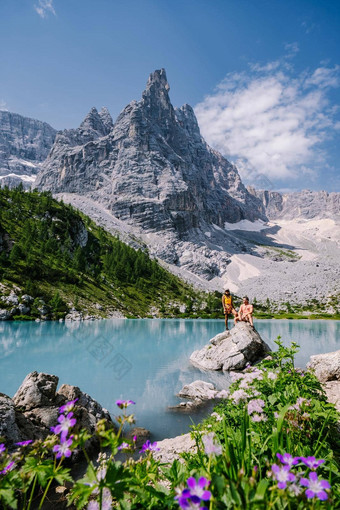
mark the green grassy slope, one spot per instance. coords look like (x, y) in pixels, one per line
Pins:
(51, 251)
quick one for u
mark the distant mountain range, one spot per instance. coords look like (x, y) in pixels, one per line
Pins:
(24, 144)
(304, 204)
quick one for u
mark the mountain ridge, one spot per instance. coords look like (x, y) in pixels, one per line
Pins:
(305, 204)
(24, 144)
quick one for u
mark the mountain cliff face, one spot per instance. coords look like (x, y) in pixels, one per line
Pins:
(304, 204)
(24, 144)
(151, 169)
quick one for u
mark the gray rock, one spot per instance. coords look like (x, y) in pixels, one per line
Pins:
(8, 426)
(141, 433)
(5, 315)
(27, 299)
(23, 309)
(35, 409)
(189, 405)
(24, 144)
(326, 366)
(37, 390)
(170, 449)
(231, 350)
(12, 299)
(74, 315)
(198, 389)
(95, 411)
(332, 389)
(42, 308)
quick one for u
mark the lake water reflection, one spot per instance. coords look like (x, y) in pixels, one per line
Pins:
(143, 360)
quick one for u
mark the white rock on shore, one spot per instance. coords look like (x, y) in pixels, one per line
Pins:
(170, 449)
(198, 389)
(231, 350)
(327, 369)
(326, 366)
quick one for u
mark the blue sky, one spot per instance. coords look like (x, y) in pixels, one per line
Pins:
(263, 76)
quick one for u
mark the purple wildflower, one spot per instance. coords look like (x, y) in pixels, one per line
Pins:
(2, 448)
(195, 494)
(63, 449)
(198, 489)
(122, 404)
(311, 462)
(238, 395)
(7, 468)
(272, 376)
(256, 405)
(65, 423)
(25, 443)
(315, 487)
(183, 498)
(259, 417)
(66, 408)
(287, 459)
(148, 446)
(282, 475)
(93, 505)
(124, 446)
(210, 446)
(106, 501)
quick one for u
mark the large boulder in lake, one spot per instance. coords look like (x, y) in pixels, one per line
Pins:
(198, 389)
(34, 408)
(231, 350)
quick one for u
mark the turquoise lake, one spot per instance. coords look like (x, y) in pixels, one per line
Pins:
(144, 360)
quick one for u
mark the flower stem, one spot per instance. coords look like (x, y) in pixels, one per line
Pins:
(32, 492)
(49, 484)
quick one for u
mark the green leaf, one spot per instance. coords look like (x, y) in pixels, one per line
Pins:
(272, 399)
(63, 475)
(261, 490)
(8, 497)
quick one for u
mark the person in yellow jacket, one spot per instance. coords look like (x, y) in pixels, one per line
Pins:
(228, 306)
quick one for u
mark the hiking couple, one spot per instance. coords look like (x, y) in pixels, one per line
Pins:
(245, 312)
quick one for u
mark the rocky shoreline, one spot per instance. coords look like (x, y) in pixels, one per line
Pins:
(33, 410)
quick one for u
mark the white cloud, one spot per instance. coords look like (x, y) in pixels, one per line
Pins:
(45, 7)
(270, 121)
(3, 105)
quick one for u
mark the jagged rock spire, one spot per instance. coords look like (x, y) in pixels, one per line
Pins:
(92, 121)
(106, 118)
(156, 95)
(101, 122)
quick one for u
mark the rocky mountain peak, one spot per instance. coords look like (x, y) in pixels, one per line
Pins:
(153, 171)
(106, 118)
(155, 98)
(93, 122)
(157, 81)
